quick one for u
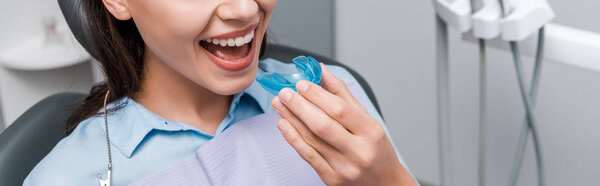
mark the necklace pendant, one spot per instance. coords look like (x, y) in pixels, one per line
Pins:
(105, 182)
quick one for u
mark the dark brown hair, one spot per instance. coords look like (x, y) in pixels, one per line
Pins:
(120, 51)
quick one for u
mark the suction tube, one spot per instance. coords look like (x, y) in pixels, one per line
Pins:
(529, 124)
(482, 112)
(477, 5)
(443, 101)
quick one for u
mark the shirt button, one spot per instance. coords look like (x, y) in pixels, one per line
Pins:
(166, 123)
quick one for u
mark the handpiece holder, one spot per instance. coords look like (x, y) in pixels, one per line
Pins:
(308, 69)
(456, 13)
(525, 18)
(486, 21)
(521, 18)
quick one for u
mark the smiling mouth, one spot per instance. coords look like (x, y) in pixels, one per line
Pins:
(230, 49)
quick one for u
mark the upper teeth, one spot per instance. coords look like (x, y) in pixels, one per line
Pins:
(238, 41)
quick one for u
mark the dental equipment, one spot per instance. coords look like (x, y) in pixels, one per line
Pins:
(477, 5)
(443, 102)
(308, 69)
(512, 21)
(456, 13)
(528, 16)
(530, 122)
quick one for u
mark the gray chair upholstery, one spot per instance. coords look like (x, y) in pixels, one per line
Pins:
(24, 143)
(37, 131)
(76, 19)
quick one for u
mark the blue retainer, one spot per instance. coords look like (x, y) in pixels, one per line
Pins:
(308, 69)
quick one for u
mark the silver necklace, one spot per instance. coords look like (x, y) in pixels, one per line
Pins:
(106, 182)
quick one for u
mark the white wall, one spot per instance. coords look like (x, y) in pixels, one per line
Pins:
(392, 44)
(19, 90)
(291, 25)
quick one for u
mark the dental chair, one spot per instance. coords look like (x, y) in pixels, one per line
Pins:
(24, 143)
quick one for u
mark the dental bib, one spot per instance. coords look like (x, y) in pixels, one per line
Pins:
(308, 69)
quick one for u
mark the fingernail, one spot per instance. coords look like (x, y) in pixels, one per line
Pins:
(282, 125)
(277, 104)
(285, 94)
(302, 86)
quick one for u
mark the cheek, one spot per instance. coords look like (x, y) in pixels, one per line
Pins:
(267, 5)
(170, 27)
(188, 20)
(169, 32)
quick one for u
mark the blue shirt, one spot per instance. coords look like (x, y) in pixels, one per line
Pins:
(142, 142)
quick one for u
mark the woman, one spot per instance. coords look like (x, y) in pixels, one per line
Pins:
(180, 72)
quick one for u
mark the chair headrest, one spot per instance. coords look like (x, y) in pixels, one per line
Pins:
(76, 19)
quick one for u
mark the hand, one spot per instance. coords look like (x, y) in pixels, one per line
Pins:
(341, 141)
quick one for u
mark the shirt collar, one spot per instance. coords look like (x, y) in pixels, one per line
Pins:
(132, 122)
(257, 92)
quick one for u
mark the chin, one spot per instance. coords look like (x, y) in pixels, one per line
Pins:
(233, 85)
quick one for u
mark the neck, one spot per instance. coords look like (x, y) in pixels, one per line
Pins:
(174, 97)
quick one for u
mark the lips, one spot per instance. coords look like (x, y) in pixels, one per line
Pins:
(233, 51)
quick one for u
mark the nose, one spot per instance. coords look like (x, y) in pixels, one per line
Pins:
(240, 10)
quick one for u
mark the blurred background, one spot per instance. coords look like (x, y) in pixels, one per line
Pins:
(392, 44)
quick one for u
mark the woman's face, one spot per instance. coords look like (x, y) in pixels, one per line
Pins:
(214, 43)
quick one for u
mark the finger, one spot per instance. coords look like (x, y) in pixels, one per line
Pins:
(318, 122)
(335, 85)
(353, 117)
(331, 154)
(308, 136)
(310, 155)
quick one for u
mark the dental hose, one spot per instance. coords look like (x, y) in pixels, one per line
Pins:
(482, 112)
(443, 101)
(529, 123)
(476, 5)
